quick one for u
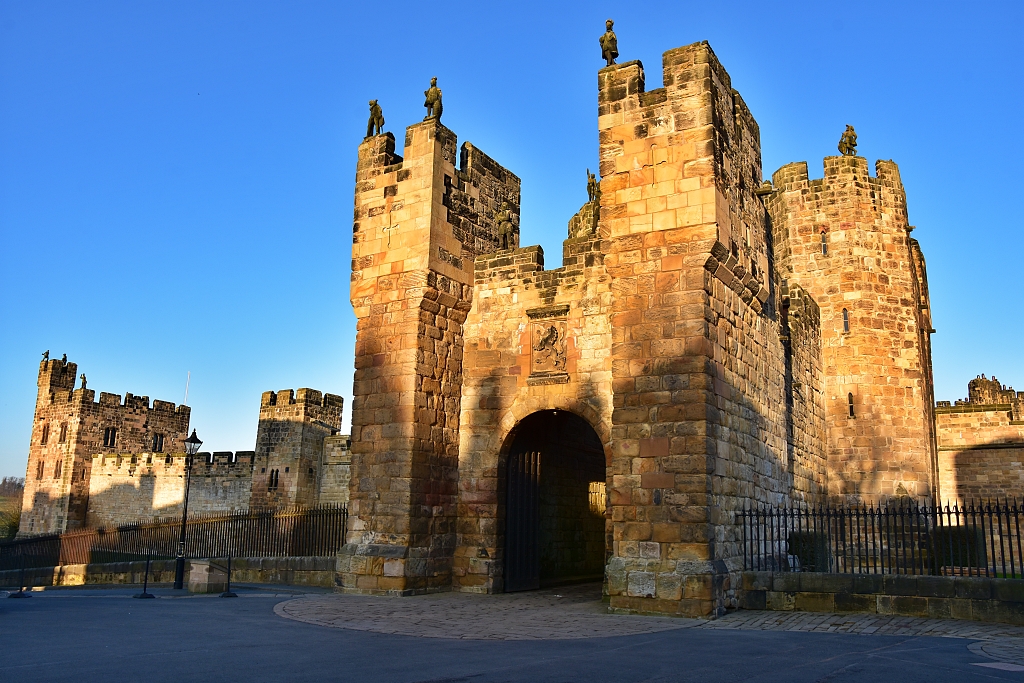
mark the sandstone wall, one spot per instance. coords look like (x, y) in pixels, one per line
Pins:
(289, 446)
(510, 371)
(57, 480)
(151, 486)
(335, 473)
(981, 443)
(876, 355)
(699, 425)
(419, 223)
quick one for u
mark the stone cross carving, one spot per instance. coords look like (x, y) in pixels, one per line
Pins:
(848, 142)
(376, 122)
(433, 101)
(503, 221)
(609, 43)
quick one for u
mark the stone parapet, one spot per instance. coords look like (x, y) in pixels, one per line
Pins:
(935, 597)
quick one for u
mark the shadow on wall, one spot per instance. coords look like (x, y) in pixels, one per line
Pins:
(982, 472)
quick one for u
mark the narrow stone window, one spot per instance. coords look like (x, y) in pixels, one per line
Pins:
(849, 404)
(46, 434)
(272, 483)
(167, 460)
(58, 469)
(846, 320)
(824, 243)
(39, 469)
(110, 437)
(63, 433)
(158, 443)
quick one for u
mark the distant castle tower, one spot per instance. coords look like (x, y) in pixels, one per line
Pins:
(290, 446)
(845, 239)
(69, 428)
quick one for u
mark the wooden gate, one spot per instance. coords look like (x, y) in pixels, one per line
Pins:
(522, 522)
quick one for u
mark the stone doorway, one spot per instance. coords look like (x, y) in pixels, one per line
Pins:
(555, 502)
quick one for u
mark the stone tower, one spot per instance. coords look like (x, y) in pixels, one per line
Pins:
(290, 445)
(69, 428)
(845, 239)
(698, 427)
(419, 222)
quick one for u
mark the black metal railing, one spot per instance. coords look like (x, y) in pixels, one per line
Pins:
(309, 532)
(972, 539)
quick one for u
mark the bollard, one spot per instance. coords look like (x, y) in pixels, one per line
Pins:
(21, 580)
(228, 593)
(145, 580)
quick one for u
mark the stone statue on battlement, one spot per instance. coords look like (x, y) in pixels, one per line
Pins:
(503, 222)
(609, 43)
(433, 101)
(64, 359)
(765, 189)
(82, 377)
(375, 126)
(593, 188)
(46, 355)
(848, 142)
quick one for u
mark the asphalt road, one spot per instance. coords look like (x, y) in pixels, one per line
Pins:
(88, 635)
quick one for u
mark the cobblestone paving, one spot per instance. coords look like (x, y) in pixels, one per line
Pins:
(564, 613)
(573, 612)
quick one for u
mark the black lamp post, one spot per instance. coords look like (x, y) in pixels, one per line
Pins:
(192, 445)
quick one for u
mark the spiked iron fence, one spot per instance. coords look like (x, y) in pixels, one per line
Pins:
(973, 539)
(311, 532)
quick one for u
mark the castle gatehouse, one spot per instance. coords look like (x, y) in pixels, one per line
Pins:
(711, 342)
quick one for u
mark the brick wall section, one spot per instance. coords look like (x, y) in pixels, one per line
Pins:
(419, 223)
(151, 486)
(54, 504)
(699, 391)
(513, 294)
(290, 440)
(981, 443)
(877, 273)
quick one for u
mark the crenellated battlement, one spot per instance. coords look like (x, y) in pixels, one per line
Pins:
(310, 397)
(148, 464)
(844, 175)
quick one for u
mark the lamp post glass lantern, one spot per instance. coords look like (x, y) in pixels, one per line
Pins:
(192, 445)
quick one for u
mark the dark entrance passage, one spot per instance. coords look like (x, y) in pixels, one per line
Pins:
(555, 501)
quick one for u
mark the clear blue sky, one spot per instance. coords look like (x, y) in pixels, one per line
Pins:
(176, 179)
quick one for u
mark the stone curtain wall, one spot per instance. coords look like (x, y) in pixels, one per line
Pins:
(335, 473)
(874, 271)
(699, 421)
(513, 297)
(53, 504)
(805, 428)
(981, 444)
(418, 224)
(148, 487)
(290, 439)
